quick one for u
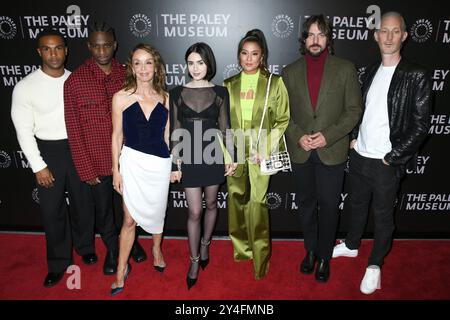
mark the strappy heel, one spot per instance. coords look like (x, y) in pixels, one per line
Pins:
(192, 281)
(204, 262)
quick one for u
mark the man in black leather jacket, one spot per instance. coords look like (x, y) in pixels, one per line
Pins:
(396, 119)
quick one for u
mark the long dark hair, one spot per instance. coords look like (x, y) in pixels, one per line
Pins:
(324, 26)
(159, 79)
(257, 36)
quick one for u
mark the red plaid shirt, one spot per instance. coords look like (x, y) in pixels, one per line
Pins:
(87, 109)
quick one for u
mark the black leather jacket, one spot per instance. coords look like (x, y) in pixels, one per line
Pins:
(409, 107)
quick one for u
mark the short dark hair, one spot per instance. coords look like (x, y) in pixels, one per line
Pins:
(100, 26)
(50, 32)
(324, 26)
(257, 36)
(207, 55)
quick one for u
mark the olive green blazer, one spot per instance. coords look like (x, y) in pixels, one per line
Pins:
(277, 114)
(337, 111)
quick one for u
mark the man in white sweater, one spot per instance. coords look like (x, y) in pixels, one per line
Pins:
(38, 116)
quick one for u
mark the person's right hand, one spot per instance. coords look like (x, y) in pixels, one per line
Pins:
(44, 178)
(117, 182)
(93, 182)
(305, 142)
(175, 176)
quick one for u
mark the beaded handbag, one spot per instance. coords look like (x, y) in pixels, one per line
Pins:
(280, 160)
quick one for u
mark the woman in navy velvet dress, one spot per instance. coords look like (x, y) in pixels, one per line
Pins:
(142, 165)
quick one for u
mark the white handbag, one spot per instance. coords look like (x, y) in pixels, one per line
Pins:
(278, 161)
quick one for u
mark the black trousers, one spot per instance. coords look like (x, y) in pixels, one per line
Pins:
(371, 181)
(102, 195)
(319, 190)
(61, 228)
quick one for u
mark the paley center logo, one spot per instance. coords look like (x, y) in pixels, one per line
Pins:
(176, 74)
(343, 198)
(212, 25)
(349, 27)
(234, 68)
(140, 25)
(179, 200)
(8, 28)
(439, 79)
(273, 200)
(421, 164)
(421, 30)
(355, 27)
(72, 25)
(5, 159)
(11, 74)
(424, 202)
(282, 26)
(440, 124)
(35, 196)
(231, 70)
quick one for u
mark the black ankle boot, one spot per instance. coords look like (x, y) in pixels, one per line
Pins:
(192, 281)
(307, 266)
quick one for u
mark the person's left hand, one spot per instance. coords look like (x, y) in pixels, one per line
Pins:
(318, 140)
(230, 169)
(175, 176)
(255, 157)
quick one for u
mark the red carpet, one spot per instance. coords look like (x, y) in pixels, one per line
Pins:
(416, 269)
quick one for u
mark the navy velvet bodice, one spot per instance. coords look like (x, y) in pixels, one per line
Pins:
(146, 135)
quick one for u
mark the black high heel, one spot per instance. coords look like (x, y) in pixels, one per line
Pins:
(204, 262)
(192, 281)
(158, 268)
(115, 289)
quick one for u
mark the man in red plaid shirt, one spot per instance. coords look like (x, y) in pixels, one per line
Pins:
(87, 98)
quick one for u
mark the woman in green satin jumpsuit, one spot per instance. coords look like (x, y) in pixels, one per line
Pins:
(248, 218)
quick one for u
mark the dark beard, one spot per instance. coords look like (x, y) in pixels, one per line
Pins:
(315, 54)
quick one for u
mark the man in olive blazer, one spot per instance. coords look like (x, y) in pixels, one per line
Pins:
(325, 100)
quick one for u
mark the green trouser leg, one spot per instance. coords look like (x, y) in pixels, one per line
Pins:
(248, 218)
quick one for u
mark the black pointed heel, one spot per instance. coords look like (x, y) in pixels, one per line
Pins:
(158, 268)
(204, 262)
(192, 281)
(117, 290)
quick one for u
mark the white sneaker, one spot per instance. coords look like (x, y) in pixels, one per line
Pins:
(371, 280)
(341, 250)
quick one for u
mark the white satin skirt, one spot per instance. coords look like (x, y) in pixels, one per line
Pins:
(145, 180)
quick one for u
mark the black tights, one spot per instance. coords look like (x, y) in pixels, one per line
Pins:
(195, 204)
